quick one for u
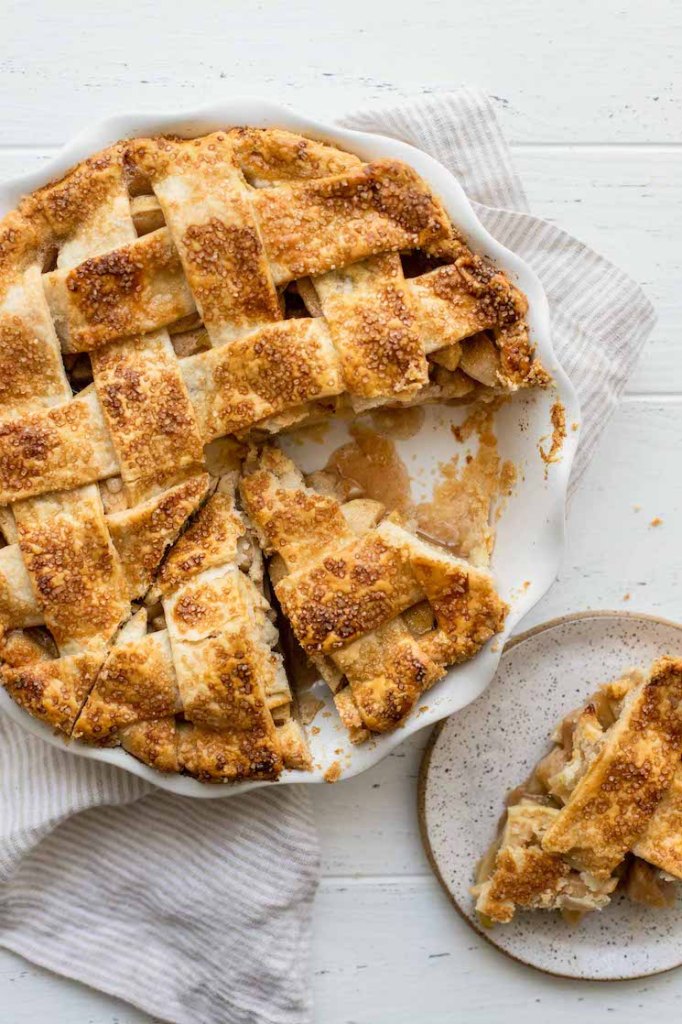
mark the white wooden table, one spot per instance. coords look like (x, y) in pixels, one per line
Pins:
(590, 95)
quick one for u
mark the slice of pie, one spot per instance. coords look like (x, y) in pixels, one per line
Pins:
(602, 808)
(165, 298)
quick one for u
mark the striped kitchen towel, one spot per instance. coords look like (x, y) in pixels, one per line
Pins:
(199, 912)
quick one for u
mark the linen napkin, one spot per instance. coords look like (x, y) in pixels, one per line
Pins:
(199, 911)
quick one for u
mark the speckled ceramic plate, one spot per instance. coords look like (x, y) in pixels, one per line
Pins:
(478, 754)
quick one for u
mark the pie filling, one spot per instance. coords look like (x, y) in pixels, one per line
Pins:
(165, 309)
(602, 810)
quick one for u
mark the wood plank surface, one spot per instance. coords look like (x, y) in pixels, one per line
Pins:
(590, 97)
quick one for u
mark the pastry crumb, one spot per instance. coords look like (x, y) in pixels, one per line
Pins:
(315, 730)
(636, 508)
(558, 419)
(656, 521)
(625, 597)
(333, 772)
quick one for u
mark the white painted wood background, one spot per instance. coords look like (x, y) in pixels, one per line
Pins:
(590, 95)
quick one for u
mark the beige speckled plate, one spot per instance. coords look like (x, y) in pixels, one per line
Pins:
(476, 755)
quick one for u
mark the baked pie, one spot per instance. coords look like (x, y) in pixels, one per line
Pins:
(602, 810)
(169, 293)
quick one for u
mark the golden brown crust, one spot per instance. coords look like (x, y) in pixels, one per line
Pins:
(372, 324)
(292, 519)
(53, 690)
(143, 534)
(223, 666)
(446, 310)
(20, 647)
(520, 874)
(467, 608)
(21, 361)
(211, 540)
(525, 883)
(215, 666)
(661, 841)
(31, 368)
(347, 593)
(387, 671)
(136, 684)
(311, 227)
(274, 156)
(24, 238)
(206, 207)
(528, 881)
(229, 678)
(228, 756)
(62, 447)
(19, 606)
(134, 289)
(613, 801)
(610, 785)
(270, 370)
(154, 743)
(148, 412)
(293, 746)
(458, 301)
(88, 211)
(230, 691)
(76, 573)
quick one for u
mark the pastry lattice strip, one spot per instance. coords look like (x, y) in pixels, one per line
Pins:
(381, 612)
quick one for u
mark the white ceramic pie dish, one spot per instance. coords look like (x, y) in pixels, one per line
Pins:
(530, 533)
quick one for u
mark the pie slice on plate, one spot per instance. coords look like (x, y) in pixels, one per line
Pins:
(602, 809)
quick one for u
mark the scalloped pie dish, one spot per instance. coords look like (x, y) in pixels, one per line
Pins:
(169, 309)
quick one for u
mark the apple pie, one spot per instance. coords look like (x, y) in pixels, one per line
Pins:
(602, 810)
(168, 294)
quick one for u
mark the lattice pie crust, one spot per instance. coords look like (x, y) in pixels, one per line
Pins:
(168, 293)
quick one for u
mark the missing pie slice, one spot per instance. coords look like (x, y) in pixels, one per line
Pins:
(603, 808)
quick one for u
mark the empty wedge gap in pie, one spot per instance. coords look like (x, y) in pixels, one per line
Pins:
(166, 309)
